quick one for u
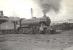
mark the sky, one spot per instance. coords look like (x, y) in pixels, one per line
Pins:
(22, 8)
(19, 8)
(55, 9)
(66, 11)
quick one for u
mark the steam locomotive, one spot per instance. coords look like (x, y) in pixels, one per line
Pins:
(33, 24)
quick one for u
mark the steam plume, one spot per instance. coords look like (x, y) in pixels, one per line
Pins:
(47, 5)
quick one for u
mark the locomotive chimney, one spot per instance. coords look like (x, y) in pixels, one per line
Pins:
(1, 13)
(44, 13)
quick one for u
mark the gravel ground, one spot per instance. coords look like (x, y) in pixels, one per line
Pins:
(36, 41)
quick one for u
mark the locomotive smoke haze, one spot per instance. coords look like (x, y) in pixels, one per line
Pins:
(63, 8)
(47, 5)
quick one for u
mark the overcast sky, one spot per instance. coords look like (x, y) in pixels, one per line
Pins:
(56, 9)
